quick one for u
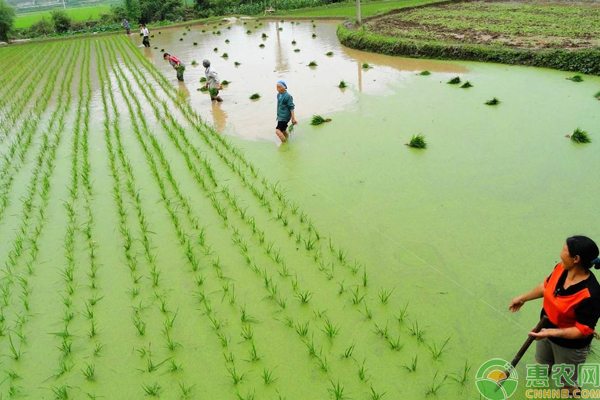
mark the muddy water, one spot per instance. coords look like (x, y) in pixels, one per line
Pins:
(314, 88)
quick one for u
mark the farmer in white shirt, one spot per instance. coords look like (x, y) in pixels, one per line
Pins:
(146, 34)
(213, 84)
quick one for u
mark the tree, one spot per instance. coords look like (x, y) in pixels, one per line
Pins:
(133, 10)
(7, 18)
(61, 20)
(42, 27)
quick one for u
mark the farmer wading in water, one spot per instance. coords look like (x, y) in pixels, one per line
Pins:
(285, 110)
(572, 304)
(176, 64)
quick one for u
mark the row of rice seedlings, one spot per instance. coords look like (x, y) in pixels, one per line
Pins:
(21, 143)
(27, 88)
(155, 273)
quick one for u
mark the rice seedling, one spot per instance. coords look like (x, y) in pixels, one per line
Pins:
(462, 377)
(296, 50)
(342, 85)
(314, 35)
(225, 82)
(235, 377)
(195, 44)
(186, 391)
(349, 351)
(293, 42)
(255, 96)
(16, 354)
(395, 344)
(89, 372)
(174, 367)
(302, 329)
(580, 136)
(323, 363)
(466, 85)
(262, 46)
(356, 298)
(304, 296)
(247, 332)
(330, 329)
(384, 295)
(575, 78)
(97, 349)
(237, 63)
(337, 390)
(454, 81)
(281, 302)
(227, 40)
(267, 376)
(318, 120)
(216, 49)
(494, 101)
(412, 367)
(424, 73)
(437, 351)
(60, 393)
(225, 55)
(375, 395)
(367, 313)
(254, 357)
(417, 142)
(382, 331)
(416, 331)
(181, 39)
(329, 53)
(435, 386)
(312, 64)
(597, 96)
(152, 390)
(403, 313)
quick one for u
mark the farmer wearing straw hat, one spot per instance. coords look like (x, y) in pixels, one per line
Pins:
(572, 304)
(285, 110)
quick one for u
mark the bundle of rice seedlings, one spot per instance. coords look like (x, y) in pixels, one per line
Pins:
(296, 50)
(293, 42)
(417, 142)
(280, 29)
(329, 53)
(213, 92)
(181, 39)
(576, 78)
(195, 43)
(261, 46)
(237, 64)
(225, 82)
(216, 49)
(248, 31)
(264, 36)
(342, 85)
(425, 73)
(494, 101)
(151, 36)
(203, 30)
(202, 80)
(194, 62)
(466, 85)
(226, 40)
(318, 120)
(162, 50)
(183, 34)
(204, 89)
(159, 32)
(454, 81)
(255, 96)
(597, 95)
(155, 47)
(366, 65)
(312, 64)
(225, 55)
(580, 136)
(314, 35)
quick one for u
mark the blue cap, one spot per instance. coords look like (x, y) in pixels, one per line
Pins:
(282, 83)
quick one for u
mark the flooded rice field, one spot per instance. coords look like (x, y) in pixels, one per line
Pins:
(160, 245)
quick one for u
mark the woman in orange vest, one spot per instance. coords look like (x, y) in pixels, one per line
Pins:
(572, 304)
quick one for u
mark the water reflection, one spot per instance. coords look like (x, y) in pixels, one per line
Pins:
(219, 116)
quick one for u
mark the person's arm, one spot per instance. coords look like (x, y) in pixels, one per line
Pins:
(293, 118)
(536, 293)
(565, 333)
(292, 107)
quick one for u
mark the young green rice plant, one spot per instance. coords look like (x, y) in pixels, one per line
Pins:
(245, 317)
(312, 64)
(174, 367)
(597, 96)
(61, 393)
(337, 391)
(417, 142)
(395, 344)
(225, 55)
(15, 354)
(314, 35)
(254, 357)
(255, 96)
(237, 63)
(342, 84)
(228, 357)
(384, 295)
(89, 372)
(367, 313)
(494, 101)
(424, 73)
(382, 331)
(412, 367)
(403, 313)
(349, 351)
(417, 332)
(235, 377)
(454, 81)
(575, 78)
(296, 50)
(225, 82)
(304, 296)
(223, 339)
(466, 85)
(356, 298)
(375, 395)
(435, 385)
(323, 363)
(97, 349)
(186, 391)
(267, 376)
(262, 46)
(302, 329)
(281, 302)
(152, 390)
(227, 40)
(580, 136)
(247, 332)
(437, 351)
(330, 329)
(462, 377)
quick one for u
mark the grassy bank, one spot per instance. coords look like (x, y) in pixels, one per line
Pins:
(348, 10)
(76, 14)
(583, 61)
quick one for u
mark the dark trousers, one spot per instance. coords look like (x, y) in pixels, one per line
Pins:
(146, 41)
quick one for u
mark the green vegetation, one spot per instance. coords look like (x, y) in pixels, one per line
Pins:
(492, 102)
(425, 73)
(342, 85)
(329, 53)
(312, 64)
(580, 136)
(576, 78)
(255, 96)
(76, 14)
(466, 85)
(225, 82)
(7, 18)
(454, 81)
(318, 120)
(417, 142)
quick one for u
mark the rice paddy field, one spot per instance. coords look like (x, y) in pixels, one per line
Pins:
(156, 244)
(25, 20)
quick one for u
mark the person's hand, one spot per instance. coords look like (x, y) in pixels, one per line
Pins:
(206, 86)
(294, 122)
(544, 333)
(516, 304)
